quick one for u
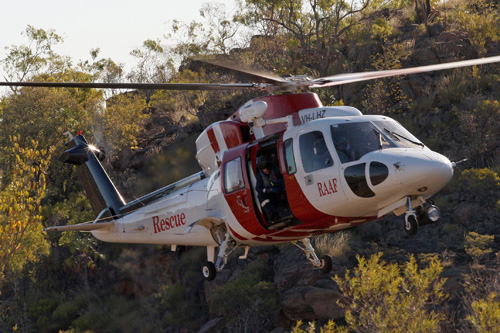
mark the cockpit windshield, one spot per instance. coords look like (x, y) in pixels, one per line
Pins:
(401, 137)
(352, 140)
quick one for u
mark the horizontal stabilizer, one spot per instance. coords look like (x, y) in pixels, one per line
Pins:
(82, 227)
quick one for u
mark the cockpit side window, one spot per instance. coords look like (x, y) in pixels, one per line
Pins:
(291, 168)
(233, 176)
(314, 152)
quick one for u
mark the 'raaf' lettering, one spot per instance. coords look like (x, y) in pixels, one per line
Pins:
(326, 188)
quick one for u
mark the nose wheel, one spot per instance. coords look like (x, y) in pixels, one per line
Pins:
(411, 223)
(422, 216)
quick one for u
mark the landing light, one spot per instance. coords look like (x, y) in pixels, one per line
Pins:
(433, 213)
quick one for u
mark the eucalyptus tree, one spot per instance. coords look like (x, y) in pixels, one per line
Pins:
(316, 27)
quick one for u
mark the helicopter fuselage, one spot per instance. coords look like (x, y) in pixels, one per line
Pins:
(368, 168)
(333, 169)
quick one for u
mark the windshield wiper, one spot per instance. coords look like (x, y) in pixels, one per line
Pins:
(380, 138)
(397, 135)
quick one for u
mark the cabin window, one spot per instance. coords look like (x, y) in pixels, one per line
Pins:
(289, 158)
(233, 176)
(314, 152)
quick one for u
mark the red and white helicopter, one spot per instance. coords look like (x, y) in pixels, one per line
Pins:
(332, 168)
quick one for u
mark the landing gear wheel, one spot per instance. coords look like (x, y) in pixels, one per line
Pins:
(411, 224)
(209, 271)
(326, 264)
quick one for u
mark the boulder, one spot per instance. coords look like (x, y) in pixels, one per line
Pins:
(311, 303)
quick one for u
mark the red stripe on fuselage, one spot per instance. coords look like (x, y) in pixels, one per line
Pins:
(302, 208)
(213, 140)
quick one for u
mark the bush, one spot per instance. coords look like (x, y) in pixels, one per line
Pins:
(476, 245)
(392, 298)
(247, 304)
(486, 314)
(481, 185)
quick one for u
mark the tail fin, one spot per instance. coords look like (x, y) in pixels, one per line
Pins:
(104, 198)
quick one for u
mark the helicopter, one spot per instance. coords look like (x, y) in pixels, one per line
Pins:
(282, 168)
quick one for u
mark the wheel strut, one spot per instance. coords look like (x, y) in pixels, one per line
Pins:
(411, 221)
(211, 268)
(324, 264)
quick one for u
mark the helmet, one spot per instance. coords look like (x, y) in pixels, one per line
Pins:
(342, 142)
(262, 162)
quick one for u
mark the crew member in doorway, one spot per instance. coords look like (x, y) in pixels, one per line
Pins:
(270, 188)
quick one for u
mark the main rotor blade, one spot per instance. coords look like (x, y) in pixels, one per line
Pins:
(152, 86)
(340, 79)
(258, 76)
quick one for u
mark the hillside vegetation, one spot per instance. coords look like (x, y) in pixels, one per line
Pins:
(446, 278)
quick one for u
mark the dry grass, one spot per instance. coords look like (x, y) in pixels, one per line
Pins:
(337, 245)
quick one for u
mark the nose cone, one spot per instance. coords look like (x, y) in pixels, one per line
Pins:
(425, 172)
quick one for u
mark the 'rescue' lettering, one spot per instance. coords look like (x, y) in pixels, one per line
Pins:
(168, 222)
(326, 188)
(318, 114)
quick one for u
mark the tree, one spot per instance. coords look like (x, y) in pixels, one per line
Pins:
(317, 26)
(25, 61)
(103, 70)
(122, 121)
(221, 29)
(21, 237)
(153, 65)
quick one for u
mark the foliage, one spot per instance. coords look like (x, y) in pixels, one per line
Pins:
(480, 21)
(486, 314)
(479, 299)
(21, 238)
(25, 61)
(476, 182)
(122, 122)
(247, 303)
(477, 245)
(290, 37)
(389, 297)
(316, 27)
(330, 327)
(38, 113)
(383, 94)
(222, 30)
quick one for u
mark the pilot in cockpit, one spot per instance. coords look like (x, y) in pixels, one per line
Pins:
(343, 147)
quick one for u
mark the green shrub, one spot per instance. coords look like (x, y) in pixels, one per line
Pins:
(392, 298)
(247, 304)
(485, 315)
(330, 327)
(482, 185)
(476, 245)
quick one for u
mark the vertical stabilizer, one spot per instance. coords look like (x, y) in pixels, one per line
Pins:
(104, 198)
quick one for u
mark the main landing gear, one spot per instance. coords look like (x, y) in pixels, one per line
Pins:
(420, 216)
(226, 247)
(324, 264)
